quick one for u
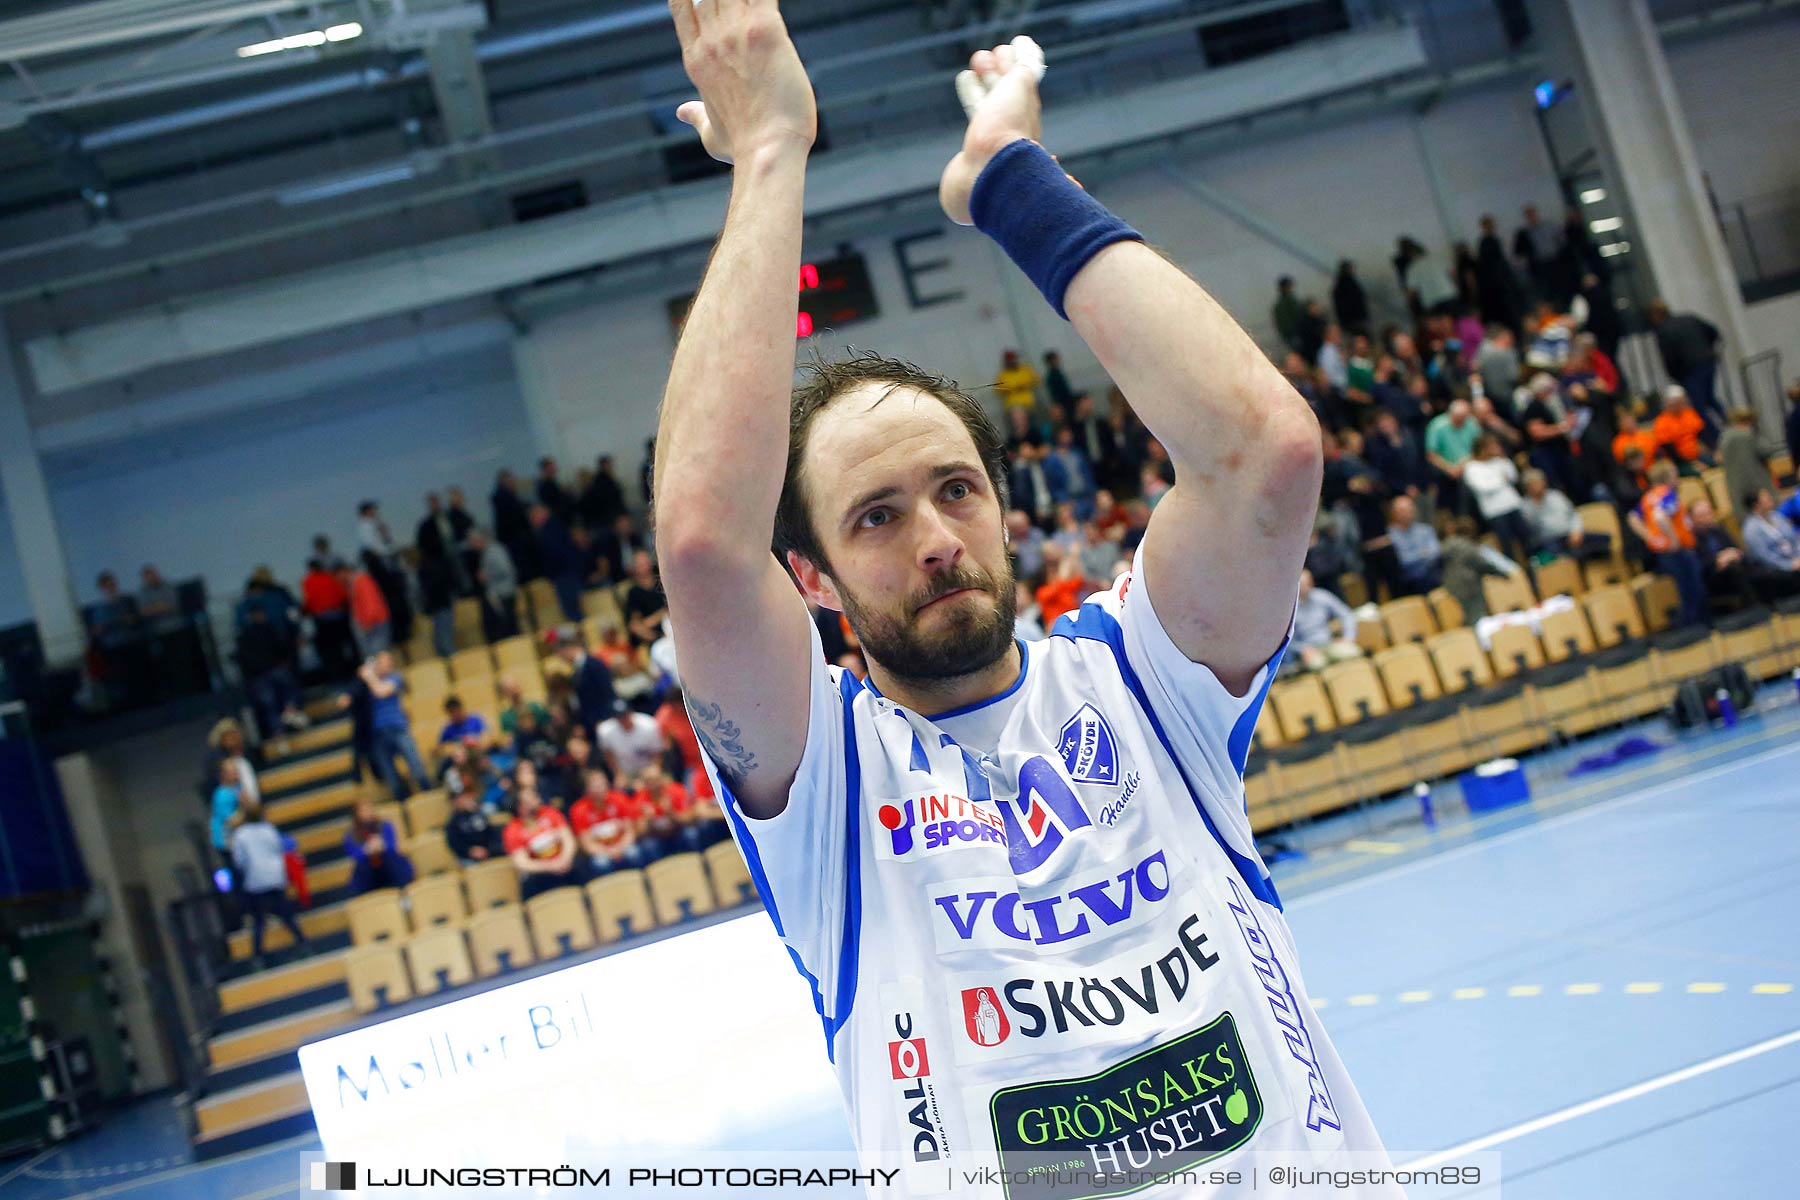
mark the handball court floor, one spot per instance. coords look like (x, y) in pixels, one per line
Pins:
(1603, 986)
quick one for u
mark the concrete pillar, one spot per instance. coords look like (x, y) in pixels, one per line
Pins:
(1611, 50)
(537, 389)
(41, 558)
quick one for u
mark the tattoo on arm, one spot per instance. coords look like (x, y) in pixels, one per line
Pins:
(722, 740)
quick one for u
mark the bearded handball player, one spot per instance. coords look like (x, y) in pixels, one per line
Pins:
(1020, 882)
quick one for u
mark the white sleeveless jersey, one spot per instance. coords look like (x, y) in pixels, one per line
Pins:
(1037, 929)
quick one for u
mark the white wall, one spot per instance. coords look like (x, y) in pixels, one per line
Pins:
(1738, 90)
(217, 500)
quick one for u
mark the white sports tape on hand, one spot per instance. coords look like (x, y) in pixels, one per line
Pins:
(970, 90)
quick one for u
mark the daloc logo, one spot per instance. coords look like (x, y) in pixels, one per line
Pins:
(1088, 749)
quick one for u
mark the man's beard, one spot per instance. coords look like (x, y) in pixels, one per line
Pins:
(971, 640)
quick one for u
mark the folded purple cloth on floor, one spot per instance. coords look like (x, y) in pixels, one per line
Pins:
(1628, 749)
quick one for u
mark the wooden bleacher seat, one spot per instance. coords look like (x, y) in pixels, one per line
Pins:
(388, 810)
(1658, 599)
(477, 662)
(480, 696)
(1601, 517)
(1447, 609)
(1723, 502)
(1680, 655)
(430, 677)
(493, 883)
(519, 653)
(377, 917)
(1260, 792)
(438, 959)
(1566, 635)
(1437, 739)
(1750, 637)
(1501, 721)
(1626, 683)
(1461, 664)
(436, 900)
(1355, 691)
(1407, 675)
(427, 812)
(559, 922)
(1302, 708)
(1508, 593)
(1268, 730)
(430, 854)
(376, 976)
(1311, 777)
(1690, 490)
(1598, 573)
(1559, 577)
(465, 624)
(1515, 650)
(1371, 636)
(499, 941)
(1613, 615)
(1408, 619)
(541, 606)
(731, 882)
(678, 888)
(1378, 763)
(1354, 589)
(621, 905)
(1565, 699)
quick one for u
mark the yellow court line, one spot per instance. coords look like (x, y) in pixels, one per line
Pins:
(1642, 989)
(1772, 989)
(1705, 989)
(1472, 832)
(1524, 989)
(1582, 989)
(1363, 1001)
(1468, 993)
(1414, 997)
(1365, 846)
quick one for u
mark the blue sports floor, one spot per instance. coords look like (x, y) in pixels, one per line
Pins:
(1604, 987)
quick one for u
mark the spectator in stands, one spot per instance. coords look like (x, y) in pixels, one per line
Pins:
(606, 824)
(373, 845)
(1352, 490)
(113, 620)
(595, 699)
(1016, 383)
(1056, 386)
(603, 500)
(1423, 278)
(645, 605)
(1415, 546)
(1536, 245)
(561, 559)
(225, 741)
(158, 607)
(697, 821)
(266, 660)
(389, 728)
(1745, 471)
(512, 525)
(334, 562)
(1094, 438)
(1466, 561)
(497, 585)
(369, 611)
(1331, 362)
(1493, 480)
(1031, 485)
(437, 599)
(1679, 430)
(1631, 436)
(1449, 445)
(1773, 547)
(259, 854)
(1497, 291)
(1549, 427)
(460, 725)
(1064, 585)
(326, 600)
(1028, 620)
(1556, 527)
(630, 742)
(541, 846)
(1690, 352)
(1077, 473)
(469, 833)
(513, 702)
(1026, 541)
(439, 538)
(1348, 300)
(1397, 458)
(1722, 562)
(551, 493)
(1315, 645)
(1663, 524)
(227, 799)
(1285, 315)
(1792, 431)
(381, 558)
(678, 731)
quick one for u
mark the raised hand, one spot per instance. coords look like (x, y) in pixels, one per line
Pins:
(999, 92)
(754, 94)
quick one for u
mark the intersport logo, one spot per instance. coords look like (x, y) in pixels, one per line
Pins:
(990, 913)
(925, 825)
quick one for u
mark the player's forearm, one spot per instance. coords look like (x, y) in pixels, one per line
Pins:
(723, 435)
(1201, 385)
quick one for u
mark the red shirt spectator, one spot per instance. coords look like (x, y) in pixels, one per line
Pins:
(667, 799)
(367, 605)
(613, 817)
(538, 836)
(1058, 597)
(672, 719)
(322, 592)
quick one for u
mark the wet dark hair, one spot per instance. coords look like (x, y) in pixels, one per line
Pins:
(821, 383)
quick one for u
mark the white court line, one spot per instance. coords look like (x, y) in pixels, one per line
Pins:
(1606, 1101)
(1483, 843)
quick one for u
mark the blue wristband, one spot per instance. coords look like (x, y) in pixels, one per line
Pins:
(1043, 219)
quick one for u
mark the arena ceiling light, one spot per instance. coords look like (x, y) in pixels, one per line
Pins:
(1614, 249)
(1593, 195)
(1606, 224)
(300, 41)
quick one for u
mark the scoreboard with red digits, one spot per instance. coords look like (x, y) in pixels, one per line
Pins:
(832, 293)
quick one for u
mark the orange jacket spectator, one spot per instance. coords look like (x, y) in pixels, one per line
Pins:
(1643, 439)
(1679, 429)
(367, 605)
(1665, 499)
(322, 592)
(1060, 596)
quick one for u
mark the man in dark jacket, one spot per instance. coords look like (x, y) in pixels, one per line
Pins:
(1690, 353)
(512, 526)
(595, 700)
(562, 559)
(604, 499)
(471, 836)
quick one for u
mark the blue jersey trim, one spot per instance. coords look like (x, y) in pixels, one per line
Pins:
(1239, 744)
(965, 710)
(1092, 623)
(850, 947)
